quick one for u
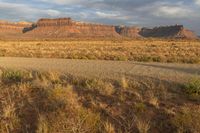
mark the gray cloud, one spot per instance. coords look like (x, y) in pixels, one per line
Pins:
(24, 12)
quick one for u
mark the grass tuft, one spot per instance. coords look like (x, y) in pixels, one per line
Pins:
(193, 87)
(124, 83)
(188, 120)
(12, 76)
(143, 126)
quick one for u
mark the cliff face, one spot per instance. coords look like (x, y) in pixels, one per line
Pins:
(12, 30)
(54, 22)
(96, 30)
(65, 27)
(176, 31)
(132, 32)
(11, 26)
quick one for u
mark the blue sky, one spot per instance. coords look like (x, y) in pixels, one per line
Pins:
(117, 12)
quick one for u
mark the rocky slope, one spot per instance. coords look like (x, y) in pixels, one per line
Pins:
(66, 28)
(176, 31)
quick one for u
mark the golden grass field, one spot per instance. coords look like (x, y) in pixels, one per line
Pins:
(180, 51)
(49, 102)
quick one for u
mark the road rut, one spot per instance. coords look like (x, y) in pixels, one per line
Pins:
(106, 69)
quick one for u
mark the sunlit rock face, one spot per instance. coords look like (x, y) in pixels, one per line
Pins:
(12, 30)
(66, 28)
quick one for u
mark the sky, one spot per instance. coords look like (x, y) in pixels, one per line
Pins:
(143, 13)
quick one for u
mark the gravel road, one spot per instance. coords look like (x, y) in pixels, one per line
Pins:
(106, 69)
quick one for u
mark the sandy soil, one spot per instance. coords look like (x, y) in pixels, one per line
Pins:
(107, 69)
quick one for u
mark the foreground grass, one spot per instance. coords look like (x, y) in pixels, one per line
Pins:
(49, 102)
(181, 51)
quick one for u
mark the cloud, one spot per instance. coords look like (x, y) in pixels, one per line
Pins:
(197, 2)
(62, 1)
(172, 12)
(15, 11)
(166, 10)
(111, 15)
(53, 13)
(106, 15)
(70, 2)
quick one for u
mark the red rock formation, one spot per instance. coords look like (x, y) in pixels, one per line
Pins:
(132, 32)
(65, 27)
(54, 22)
(176, 31)
(14, 26)
(12, 30)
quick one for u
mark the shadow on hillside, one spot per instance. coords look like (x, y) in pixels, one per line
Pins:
(121, 108)
(194, 71)
(27, 29)
(35, 105)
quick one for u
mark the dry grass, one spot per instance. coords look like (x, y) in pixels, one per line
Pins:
(187, 120)
(142, 125)
(134, 50)
(49, 102)
(109, 128)
(124, 83)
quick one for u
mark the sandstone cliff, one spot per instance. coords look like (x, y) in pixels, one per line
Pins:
(176, 31)
(65, 27)
(12, 30)
(125, 31)
(54, 22)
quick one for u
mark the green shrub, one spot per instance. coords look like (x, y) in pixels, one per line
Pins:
(145, 59)
(12, 76)
(122, 58)
(140, 107)
(193, 87)
(156, 59)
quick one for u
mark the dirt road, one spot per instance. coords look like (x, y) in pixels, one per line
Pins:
(106, 69)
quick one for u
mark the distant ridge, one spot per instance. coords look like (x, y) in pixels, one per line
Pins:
(175, 31)
(66, 28)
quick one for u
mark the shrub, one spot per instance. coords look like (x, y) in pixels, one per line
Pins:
(109, 128)
(9, 116)
(124, 83)
(140, 107)
(122, 58)
(193, 87)
(42, 126)
(12, 76)
(100, 86)
(143, 126)
(153, 100)
(188, 120)
(145, 59)
(63, 96)
(156, 59)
